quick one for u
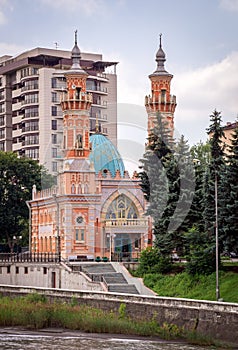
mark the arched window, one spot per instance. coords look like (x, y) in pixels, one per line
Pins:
(46, 245)
(122, 208)
(73, 189)
(50, 241)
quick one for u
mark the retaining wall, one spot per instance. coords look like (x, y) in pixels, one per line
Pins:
(218, 320)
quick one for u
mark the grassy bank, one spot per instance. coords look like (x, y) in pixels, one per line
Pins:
(35, 312)
(182, 285)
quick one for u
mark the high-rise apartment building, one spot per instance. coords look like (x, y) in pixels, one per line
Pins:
(31, 86)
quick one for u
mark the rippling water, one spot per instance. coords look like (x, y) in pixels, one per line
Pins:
(39, 342)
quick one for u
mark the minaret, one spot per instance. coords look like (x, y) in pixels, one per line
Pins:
(160, 99)
(76, 103)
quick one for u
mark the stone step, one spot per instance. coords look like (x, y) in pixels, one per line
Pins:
(98, 268)
(124, 289)
(115, 278)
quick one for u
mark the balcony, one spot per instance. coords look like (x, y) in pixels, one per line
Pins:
(16, 93)
(17, 119)
(126, 222)
(30, 101)
(59, 86)
(98, 103)
(30, 87)
(99, 89)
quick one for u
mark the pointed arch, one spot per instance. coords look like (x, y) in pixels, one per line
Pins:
(118, 202)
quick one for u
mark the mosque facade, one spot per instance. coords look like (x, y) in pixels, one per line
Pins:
(97, 210)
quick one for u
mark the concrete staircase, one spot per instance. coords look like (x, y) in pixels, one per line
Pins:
(114, 281)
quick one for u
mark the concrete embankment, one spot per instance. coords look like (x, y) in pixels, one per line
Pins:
(218, 320)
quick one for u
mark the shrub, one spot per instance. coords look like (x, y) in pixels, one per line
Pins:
(152, 261)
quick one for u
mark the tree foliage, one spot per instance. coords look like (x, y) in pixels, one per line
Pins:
(229, 199)
(169, 171)
(214, 172)
(152, 261)
(17, 176)
(179, 185)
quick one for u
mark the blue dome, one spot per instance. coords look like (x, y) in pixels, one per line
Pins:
(105, 156)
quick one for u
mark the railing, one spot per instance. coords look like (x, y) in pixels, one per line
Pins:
(30, 87)
(29, 257)
(97, 88)
(126, 222)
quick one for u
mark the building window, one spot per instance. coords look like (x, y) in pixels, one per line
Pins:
(2, 148)
(54, 124)
(32, 153)
(17, 270)
(32, 140)
(31, 98)
(122, 208)
(2, 109)
(45, 270)
(9, 269)
(54, 138)
(54, 166)
(25, 270)
(79, 234)
(54, 111)
(31, 126)
(30, 85)
(2, 134)
(53, 83)
(31, 112)
(29, 71)
(2, 120)
(0, 81)
(54, 152)
(163, 95)
(54, 97)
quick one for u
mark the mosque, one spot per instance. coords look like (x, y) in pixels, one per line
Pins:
(96, 211)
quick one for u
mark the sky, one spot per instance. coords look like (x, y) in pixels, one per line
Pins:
(199, 38)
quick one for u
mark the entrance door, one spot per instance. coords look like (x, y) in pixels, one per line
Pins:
(122, 246)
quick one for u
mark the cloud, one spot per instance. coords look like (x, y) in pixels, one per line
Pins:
(201, 91)
(198, 93)
(89, 7)
(3, 19)
(229, 5)
(3, 5)
(11, 49)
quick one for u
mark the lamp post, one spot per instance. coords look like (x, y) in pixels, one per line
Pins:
(217, 242)
(112, 236)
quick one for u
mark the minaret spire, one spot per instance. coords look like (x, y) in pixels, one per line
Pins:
(76, 55)
(76, 104)
(160, 101)
(160, 45)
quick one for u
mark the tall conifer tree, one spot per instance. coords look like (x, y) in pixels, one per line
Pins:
(230, 197)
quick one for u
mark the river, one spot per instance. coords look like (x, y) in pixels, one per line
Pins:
(21, 340)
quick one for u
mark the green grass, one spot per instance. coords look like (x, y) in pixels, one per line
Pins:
(200, 287)
(36, 312)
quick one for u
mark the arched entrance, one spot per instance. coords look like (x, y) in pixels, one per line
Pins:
(122, 218)
(122, 246)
